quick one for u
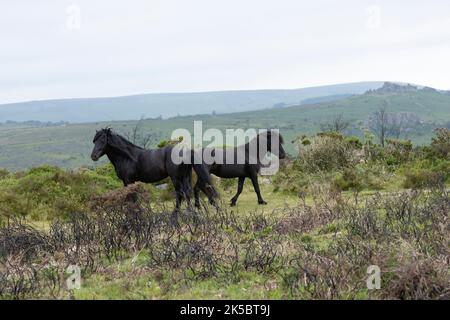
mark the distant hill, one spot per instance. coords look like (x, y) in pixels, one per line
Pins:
(172, 104)
(69, 145)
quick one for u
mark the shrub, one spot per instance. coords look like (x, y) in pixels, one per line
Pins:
(423, 178)
(327, 152)
(349, 180)
(354, 141)
(3, 173)
(440, 144)
(165, 143)
(13, 205)
(47, 192)
(358, 178)
(398, 151)
(291, 178)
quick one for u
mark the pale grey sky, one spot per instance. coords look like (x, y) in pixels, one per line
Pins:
(87, 48)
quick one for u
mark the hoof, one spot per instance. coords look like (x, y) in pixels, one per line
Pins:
(232, 204)
(262, 202)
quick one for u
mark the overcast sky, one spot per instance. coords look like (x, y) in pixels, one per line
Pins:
(60, 49)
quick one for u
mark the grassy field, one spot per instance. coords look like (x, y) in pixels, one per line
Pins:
(132, 279)
(300, 247)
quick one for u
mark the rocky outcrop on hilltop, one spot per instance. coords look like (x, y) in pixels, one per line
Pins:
(391, 87)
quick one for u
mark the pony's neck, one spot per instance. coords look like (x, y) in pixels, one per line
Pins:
(123, 164)
(121, 150)
(116, 157)
(248, 148)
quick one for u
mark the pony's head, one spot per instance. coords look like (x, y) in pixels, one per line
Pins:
(278, 138)
(100, 143)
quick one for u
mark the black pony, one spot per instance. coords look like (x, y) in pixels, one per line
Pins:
(133, 163)
(249, 168)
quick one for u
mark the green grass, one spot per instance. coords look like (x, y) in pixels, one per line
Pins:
(136, 284)
(131, 279)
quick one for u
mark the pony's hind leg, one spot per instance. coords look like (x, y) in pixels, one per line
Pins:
(178, 198)
(186, 188)
(186, 195)
(197, 195)
(239, 191)
(255, 183)
(183, 190)
(178, 193)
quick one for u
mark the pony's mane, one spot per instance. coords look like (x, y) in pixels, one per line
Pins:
(118, 142)
(122, 141)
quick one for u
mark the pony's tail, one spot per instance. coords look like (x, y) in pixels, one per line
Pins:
(203, 177)
(205, 182)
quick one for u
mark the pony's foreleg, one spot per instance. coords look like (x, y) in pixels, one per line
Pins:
(254, 178)
(239, 191)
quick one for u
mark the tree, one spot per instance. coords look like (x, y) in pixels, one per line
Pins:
(379, 123)
(337, 124)
(385, 124)
(138, 137)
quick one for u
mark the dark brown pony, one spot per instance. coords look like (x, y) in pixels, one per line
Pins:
(133, 163)
(250, 167)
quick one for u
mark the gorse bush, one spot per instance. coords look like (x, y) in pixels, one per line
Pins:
(356, 179)
(3, 173)
(440, 144)
(48, 192)
(327, 152)
(425, 172)
(398, 151)
(422, 178)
